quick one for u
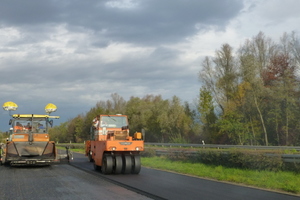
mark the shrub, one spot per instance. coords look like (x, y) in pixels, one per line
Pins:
(148, 152)
(233, 158)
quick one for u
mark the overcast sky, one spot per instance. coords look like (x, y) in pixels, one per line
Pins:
(74, 53)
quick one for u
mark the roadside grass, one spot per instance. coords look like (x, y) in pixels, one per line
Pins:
(79, 150)
(280, 181)
(75, 150)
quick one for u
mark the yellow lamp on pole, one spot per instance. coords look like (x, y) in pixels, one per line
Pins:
(9, 106)
(50, 107)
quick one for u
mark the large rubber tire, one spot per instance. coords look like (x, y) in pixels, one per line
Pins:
(2, 159)
(136, 164)
(118, 164)
(96, 167)
(107, 164)
(90, 157)
(127, 164)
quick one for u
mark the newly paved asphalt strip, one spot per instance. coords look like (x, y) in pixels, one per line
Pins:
(58, 182)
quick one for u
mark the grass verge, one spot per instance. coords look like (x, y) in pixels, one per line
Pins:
(280, 181)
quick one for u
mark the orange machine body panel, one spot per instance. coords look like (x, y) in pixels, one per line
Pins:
(23, 137)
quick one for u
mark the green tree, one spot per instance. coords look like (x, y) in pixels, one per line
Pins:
(227, 75)
(139, 112)
(75, 129)
(208, 117)
(257, 98)
(59, 133)
(179, 122)
(254, 57)
(3, 136)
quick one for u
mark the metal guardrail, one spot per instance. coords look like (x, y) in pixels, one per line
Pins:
(71, 145)
(287, 158)
(293, 158)
(219, 146)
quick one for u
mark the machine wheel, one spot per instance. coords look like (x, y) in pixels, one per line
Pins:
(107, 164)
(136, 164)
(90, 156)
(96, 167)
(118, 164)
(127, 164)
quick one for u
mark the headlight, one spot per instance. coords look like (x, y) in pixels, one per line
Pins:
(112, 148)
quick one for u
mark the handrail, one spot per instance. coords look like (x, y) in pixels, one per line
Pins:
(217, 146)
(220, 146)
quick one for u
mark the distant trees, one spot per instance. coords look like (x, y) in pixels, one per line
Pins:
(162, 120)
(255, 92)
(248, 96)
(3, 136)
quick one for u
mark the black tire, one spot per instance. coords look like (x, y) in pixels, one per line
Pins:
(2, 159)
(107, 164)
(136, 164)
(96, 167)
(118, 164)
(90, 157)
(127, 164)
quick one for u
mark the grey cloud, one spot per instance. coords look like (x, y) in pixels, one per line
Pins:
(20, 13)
(164, 21)
(151, 22)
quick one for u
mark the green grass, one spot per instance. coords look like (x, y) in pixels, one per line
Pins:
(280, 181)
(73, 150)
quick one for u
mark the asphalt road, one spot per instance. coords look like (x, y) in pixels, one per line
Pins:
(166, 185)
(80, 181)
(58, 182)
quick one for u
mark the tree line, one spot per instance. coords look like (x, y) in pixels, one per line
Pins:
(250, 96)
(162, 120)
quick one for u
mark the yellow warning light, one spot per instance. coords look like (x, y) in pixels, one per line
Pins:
(8, 106)
(50, 107)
